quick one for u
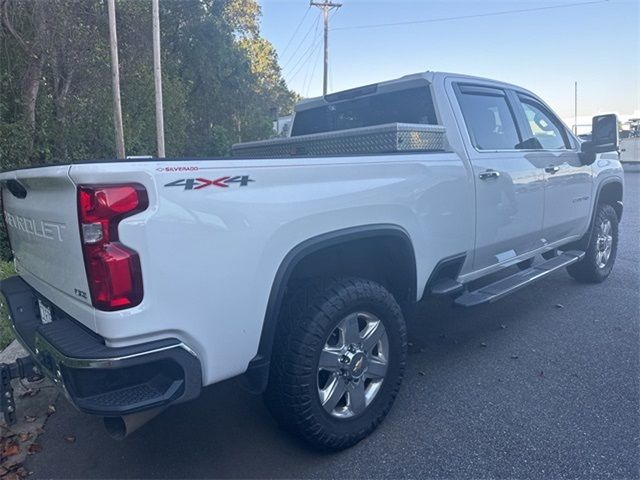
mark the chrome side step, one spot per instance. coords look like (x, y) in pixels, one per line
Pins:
(502, 288)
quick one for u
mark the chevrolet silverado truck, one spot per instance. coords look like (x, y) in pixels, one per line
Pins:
(293, 263)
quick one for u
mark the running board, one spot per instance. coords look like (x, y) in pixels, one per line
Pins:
(502, 288)
(446, 288)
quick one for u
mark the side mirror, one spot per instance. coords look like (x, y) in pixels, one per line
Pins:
(604, 135)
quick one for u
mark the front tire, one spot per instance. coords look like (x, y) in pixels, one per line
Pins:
(601, 252)
(338, 361)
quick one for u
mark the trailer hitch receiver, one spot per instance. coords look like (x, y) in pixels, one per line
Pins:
(21, 368)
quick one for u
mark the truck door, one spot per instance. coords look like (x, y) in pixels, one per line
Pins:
(509, 186)
(568, 183)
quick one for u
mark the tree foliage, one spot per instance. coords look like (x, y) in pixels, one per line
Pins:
(221, 80)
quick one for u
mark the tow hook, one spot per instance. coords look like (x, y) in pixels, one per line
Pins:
(22, 368)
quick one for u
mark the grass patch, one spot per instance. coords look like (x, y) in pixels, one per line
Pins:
(6, 335)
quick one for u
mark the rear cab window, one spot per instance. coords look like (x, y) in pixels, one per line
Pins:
(410, 105)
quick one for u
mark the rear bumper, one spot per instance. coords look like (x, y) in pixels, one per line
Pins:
(98, 379)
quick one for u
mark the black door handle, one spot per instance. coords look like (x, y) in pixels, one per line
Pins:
(489, 174)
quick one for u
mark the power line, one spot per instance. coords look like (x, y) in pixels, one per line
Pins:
(304, 58)
(326, 6)
(330, 79)
(314, 62)
(309, 67)
(296, 31)
(462, 17)
(300, 44)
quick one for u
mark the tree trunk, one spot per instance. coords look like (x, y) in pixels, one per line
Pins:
(31, 86)
(61, 85)
(35, 50)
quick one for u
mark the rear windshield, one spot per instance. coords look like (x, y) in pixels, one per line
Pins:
(413, 105)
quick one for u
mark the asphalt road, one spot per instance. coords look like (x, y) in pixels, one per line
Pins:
(544, 384)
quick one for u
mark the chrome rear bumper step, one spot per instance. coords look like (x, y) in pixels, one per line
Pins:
(495, 291)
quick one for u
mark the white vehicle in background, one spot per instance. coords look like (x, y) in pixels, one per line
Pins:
(293, 263)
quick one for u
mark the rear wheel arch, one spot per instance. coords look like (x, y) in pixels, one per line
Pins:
(345, 249)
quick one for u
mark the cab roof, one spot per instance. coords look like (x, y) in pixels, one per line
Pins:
(401, 83)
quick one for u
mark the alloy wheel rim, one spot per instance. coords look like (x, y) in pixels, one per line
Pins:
(604, 243)
(353, 364)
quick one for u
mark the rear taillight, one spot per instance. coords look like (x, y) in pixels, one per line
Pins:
(113, 270)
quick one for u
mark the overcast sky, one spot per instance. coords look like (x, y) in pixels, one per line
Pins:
(545, 50)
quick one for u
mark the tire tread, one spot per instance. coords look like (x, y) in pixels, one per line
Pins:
(307, 311)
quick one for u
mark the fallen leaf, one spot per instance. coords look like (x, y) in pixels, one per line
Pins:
(30, 392)
(483, 344)
(9, 465)
(23, 472)
(10, 450)
(514, 357)
(6, 439)
(24, 436)
(34, 448)
(30, 418)
(410, 344)
(51, 410)
(503, 326)
(421, 374)
(70, 439)
(559, 305)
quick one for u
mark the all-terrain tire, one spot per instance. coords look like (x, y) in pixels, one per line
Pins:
(592, 268)
(310, 315)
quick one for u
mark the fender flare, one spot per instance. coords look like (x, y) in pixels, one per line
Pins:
(583, 242)
(257, 375)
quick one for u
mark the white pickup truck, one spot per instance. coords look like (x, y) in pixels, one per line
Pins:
(293, 263)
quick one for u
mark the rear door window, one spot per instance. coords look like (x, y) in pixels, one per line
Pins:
(412, 105)
(488, 117)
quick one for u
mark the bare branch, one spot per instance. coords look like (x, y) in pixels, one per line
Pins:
(4, 6)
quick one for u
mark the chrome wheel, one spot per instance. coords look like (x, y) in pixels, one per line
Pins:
(604, 243)
(353, 364)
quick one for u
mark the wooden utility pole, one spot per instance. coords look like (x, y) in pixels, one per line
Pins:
(115, 80)
(326, 6)
(157, 77)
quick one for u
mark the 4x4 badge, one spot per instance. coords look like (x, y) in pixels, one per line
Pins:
(199, 183)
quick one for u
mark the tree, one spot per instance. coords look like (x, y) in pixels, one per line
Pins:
(220, 78)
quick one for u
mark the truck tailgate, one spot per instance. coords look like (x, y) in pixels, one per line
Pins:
(41, 214)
